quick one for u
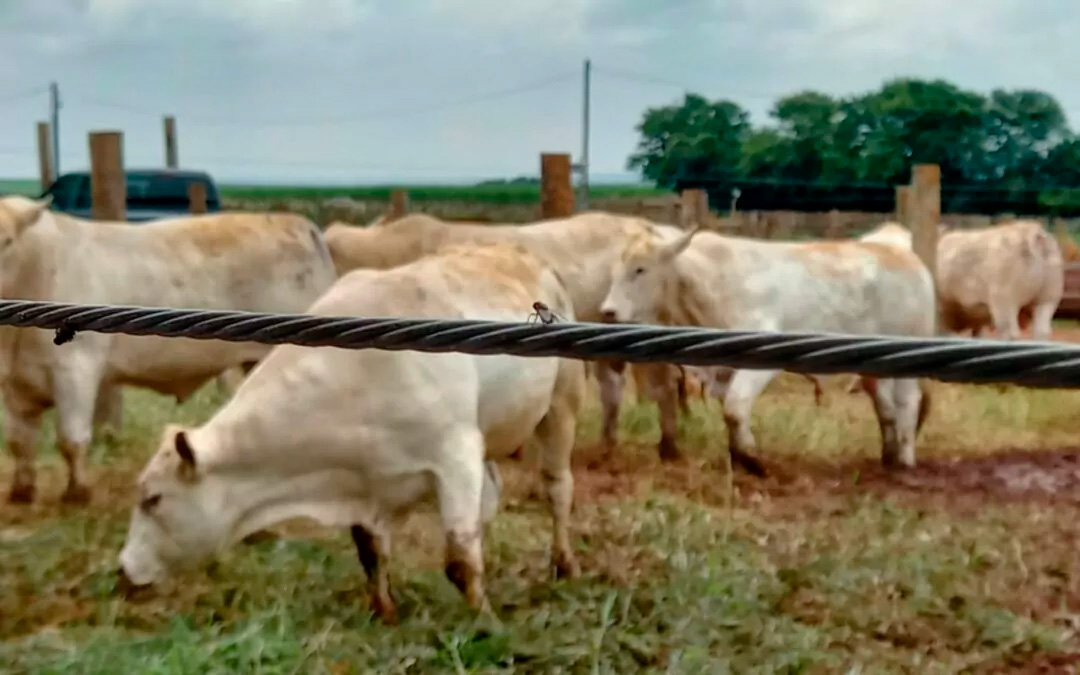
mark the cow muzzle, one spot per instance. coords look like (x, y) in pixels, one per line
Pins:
(609, 316)
(127, 588)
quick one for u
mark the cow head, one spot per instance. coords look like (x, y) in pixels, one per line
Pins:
(640, 277)
(178, 521)
(18, 214)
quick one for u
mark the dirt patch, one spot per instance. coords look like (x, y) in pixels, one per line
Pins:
(1013, 475)
(1046, 476)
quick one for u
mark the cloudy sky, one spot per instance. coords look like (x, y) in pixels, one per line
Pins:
(360, 91)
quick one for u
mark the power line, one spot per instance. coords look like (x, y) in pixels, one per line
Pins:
(277, 162)
(399, 111)
(24, 94)
(13, 150)
(645, 78)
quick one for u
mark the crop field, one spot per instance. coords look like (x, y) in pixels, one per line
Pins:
(509, 193)
(967, 563)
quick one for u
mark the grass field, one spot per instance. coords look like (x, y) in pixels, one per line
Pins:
(485, 194)
(967, 563)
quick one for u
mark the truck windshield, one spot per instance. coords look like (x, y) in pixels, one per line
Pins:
(162, 191)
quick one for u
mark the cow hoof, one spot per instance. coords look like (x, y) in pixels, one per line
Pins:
(22, 494)
(566, 568)
(76, 494)
(893, 463)
(749, 463)
(669, 452)
(385, 609)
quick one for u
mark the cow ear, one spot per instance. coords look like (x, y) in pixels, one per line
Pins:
(679, 245)
(30, 215)
(183, 448)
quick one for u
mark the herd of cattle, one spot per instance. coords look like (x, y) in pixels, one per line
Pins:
(357, 438)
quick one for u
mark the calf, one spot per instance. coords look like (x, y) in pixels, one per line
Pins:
(371, 433)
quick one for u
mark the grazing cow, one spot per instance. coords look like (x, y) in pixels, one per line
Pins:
(706, 279)
(581, 248)
(237, 261)
(371, 433)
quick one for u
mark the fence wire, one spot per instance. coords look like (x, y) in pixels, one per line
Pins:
(1027, 363)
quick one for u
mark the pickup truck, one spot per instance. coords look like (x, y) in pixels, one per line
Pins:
(151, 193)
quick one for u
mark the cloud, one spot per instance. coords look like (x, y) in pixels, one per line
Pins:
(360, 90)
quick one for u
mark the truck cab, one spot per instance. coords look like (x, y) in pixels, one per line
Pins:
(151, 193)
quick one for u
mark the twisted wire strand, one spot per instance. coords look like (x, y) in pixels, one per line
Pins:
(1027, 363)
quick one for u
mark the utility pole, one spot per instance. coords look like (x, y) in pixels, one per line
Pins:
(583, 166)
(54, 107)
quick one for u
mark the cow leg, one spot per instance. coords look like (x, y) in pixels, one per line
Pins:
(853, 385)
(745, 387)
(907, 398)
(1006, 321)
(816, 381)
(555, 435)
(76, 381)
(682, 384)
(897, 410)
(611, 378)
(373, 549)
(1042, 318)
(666, 394)
(22, 426)
(460, 485)
(109, 411)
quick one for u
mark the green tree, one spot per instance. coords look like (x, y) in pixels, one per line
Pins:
(1021, 130)
(1004, 143)
(697, 138)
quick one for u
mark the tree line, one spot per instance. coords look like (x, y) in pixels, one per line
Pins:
(1006, 151)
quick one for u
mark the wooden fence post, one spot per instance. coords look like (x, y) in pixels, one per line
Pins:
(835, 227)
(171, 160)
(399, 204)
(108, 185)
(197, 198)
(694, 207)
(556, 190)
(46, 170)
(925, 215)
(903, 205)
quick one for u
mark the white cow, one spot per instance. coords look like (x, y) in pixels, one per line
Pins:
(238, 261)
(997, 276)
(706, 279)
(580, 248)
(368, 434)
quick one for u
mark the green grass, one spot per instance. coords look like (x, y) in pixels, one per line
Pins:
(20, 186)
(814, 579)
(485, 194)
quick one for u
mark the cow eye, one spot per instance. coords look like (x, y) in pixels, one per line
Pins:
(638, 271)
(150, 502)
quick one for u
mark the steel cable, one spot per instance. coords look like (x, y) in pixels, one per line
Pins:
(1028, 363)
